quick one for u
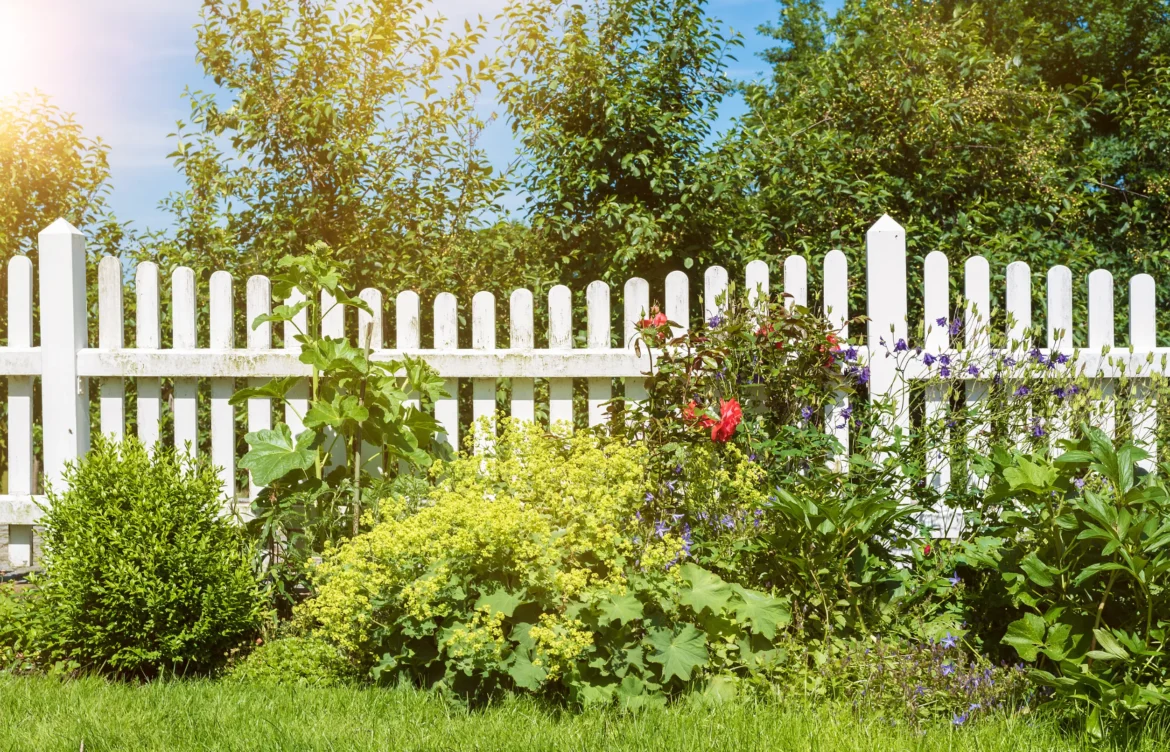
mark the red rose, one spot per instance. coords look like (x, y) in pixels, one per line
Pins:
(926, 550)
(657, 319)
(702, 421)
(729, 416)
(766, 330)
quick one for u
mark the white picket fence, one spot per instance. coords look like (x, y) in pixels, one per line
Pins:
(66, 364)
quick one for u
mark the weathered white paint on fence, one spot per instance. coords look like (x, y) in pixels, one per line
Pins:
(65, 364)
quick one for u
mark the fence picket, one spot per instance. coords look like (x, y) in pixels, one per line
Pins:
(369, 332)
(111, 335)
(678, 303)
(521, 327)
(796, 281)
(370, 324)
(836, 303)
(296, 402)
(483, 390)
(148, 335)
(598, 335)
(757, 282)
(560, 337)
(1143, 336)
(936, 290)
(447, 338)
(63, 311)
(223, 414)
(977, 333)
(714, 292)
(21, 464)
(183, 337)
(333, 326)
(259, 303)
(1060, 338)
(1101, 340)
(885, 275)
(20, 388)
(637, 306)
(1018, 281)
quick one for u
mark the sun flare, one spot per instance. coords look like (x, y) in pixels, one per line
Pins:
(16, 52)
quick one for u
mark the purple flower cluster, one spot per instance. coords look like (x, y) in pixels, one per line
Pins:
(935, 679)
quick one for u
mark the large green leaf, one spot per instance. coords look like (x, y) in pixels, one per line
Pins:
(704, 590)
(1037, 571)
(500, 600)
(1026, 635)
(274, 389)
(620, 608)
(524, 672)
(763, 612)
(274, 454)
(680, 652)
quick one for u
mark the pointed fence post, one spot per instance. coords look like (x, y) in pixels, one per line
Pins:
(65, 396)
(885, 279)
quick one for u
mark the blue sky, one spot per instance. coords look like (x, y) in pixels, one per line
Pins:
(121, 66)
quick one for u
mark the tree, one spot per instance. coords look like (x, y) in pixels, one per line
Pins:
(1019, 131)
(906, 109)
(613, 102)
(49, 169)
(351, 124)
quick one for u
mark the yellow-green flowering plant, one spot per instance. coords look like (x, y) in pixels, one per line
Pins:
(531, 567)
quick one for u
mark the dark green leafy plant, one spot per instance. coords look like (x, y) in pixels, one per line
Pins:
(354, 403)
(1083, 552)
(144, 575)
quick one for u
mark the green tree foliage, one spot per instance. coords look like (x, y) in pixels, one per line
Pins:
(613, 102)
(49, 169)
(352, 124)
(1025, 130)
(907, 111)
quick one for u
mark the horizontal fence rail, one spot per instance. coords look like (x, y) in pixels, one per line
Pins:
(66, 365)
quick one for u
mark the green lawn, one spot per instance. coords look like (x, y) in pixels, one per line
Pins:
(45, 714)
